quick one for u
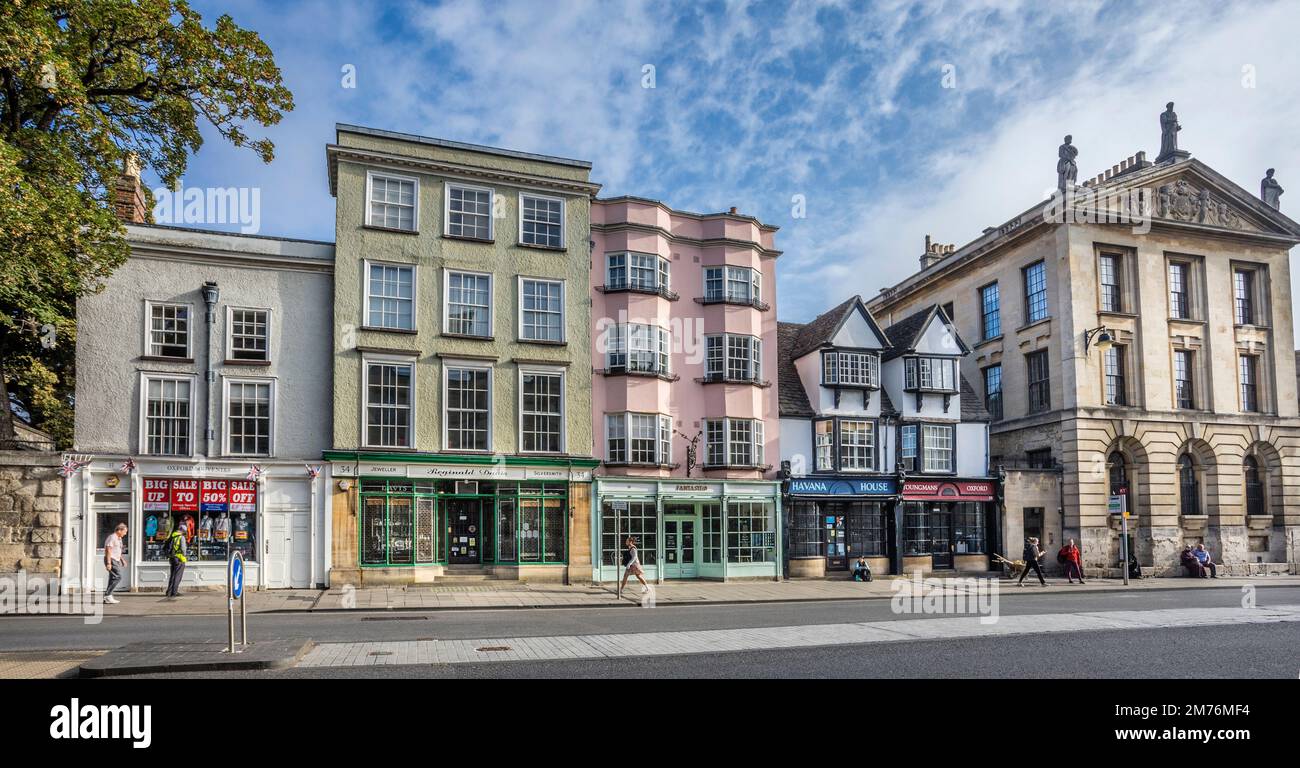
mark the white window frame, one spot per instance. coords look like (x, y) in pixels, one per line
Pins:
(905, 451)
(915, 373)
(415, 212)
(564, 298)
(662, 271)
(926, 448)
(447, 272)
(564, 406)
(824, 445)
(366, 264)
(833, 368)
(142, 421)
(149, 304)
(366, 362)
(446, 209)
(477, 365)
(717, 368)
(226, 381)
(663, 437)
(230, 332)
(757, 440)
(871, 460)
(620, 342)
(564, 210)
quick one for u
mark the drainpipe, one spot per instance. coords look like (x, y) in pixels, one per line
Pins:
(211, 294)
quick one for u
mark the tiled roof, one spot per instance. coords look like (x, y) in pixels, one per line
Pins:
(972, 405)
(793, 400)
(822, 329)
(906, 332)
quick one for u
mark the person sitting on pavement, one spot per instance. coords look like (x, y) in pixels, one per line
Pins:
(1207, 564)
(861, 571)
(1189, 561)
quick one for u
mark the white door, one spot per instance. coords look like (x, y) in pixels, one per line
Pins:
(288, 550)
(106, 517)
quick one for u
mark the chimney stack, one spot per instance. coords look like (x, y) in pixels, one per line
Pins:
(128, 194)
(934, 252)
(733, 210)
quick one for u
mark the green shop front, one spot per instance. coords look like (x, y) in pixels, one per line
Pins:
(716, 530)
(428, 518)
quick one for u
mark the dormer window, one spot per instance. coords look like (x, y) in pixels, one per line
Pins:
(851, 369)
(935, 374)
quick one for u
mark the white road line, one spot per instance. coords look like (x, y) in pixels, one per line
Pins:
(549, 648)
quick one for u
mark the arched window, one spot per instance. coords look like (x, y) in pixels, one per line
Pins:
(1188, 487)
(1118, 472)
(1256, 502)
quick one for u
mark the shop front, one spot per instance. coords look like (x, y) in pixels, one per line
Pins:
(834, 520)
(422, 519)
(943, 525)
(723, 530)
(269, 513)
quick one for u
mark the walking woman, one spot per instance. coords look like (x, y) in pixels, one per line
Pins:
(1032, 556)
(633, 565)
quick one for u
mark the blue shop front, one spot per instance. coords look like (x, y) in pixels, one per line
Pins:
(833, 520)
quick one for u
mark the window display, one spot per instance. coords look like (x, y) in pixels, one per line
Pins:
(216, 516)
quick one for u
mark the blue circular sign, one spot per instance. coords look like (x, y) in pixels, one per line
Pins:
(237, 575)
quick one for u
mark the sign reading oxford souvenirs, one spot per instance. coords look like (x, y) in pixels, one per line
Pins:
(837, 486)
(948, 490)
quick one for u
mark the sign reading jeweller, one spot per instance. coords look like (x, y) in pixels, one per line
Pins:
(840, 486)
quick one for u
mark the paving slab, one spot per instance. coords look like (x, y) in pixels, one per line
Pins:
(154, 658)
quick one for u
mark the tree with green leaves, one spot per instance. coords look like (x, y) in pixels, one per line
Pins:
(86, 85)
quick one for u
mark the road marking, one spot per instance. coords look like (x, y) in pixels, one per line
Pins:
(549, 648)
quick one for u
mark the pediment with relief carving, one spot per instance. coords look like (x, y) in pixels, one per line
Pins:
(1188, 201)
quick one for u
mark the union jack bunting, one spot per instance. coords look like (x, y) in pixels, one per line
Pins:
(70, 466)
(255, 472)
(128, 466)
(312, 471)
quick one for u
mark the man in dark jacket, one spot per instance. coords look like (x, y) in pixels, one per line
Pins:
(1032, 555)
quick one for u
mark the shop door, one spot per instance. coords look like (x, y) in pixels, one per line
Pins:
(836, 553)
(681, 561)
(941, 537)
(107, 516)
(288, 550)
(463, 531)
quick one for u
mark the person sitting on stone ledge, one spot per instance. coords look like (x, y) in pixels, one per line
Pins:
(861, 572)
(1190, 562)
(1207, 564)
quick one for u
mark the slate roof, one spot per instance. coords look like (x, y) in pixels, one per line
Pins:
(792, 398)
(906, 333)
(821, 329)
(972, 405)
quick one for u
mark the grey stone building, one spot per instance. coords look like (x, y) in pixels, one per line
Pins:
(1138, 334)
(203, 402)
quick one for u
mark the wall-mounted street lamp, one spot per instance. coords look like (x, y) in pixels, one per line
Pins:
(1099, 337)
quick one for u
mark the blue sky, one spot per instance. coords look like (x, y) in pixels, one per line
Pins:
(754, 103)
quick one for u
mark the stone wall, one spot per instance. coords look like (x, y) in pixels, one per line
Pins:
(31, 513)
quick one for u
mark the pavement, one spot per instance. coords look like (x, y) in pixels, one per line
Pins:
(516, 595)
(176, 658)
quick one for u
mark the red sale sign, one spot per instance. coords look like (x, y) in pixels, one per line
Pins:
(243, 496)
(157, 494)
(185, 495)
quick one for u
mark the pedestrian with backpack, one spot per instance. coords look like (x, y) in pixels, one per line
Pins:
(1032, 555)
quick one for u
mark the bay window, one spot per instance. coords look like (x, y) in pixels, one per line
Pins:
(853, 369)
(733, 443)
(732, 357)
(738, 285)
(824, 445)
(857, 445)
(638, 438)
(637, 271)
(637, 348)
(935, 373)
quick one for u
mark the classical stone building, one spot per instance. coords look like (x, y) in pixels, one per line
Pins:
(1139, 333)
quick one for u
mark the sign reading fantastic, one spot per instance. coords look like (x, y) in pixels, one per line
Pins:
(835, 486)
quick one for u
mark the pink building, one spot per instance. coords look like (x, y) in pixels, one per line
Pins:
(684, 406)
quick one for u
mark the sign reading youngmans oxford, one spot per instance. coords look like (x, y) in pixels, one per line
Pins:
(948, 490)
(840, 486)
